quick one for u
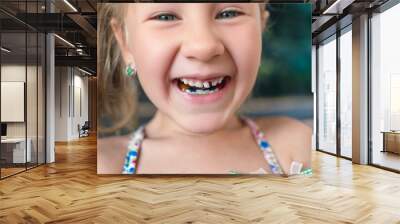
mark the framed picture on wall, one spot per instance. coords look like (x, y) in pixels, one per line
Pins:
(12, 101)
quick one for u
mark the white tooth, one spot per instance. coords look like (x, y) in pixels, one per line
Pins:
(191, 83)
(220, 80)
(206, 85)
(199, 84)
(214, 82)
(185, 81)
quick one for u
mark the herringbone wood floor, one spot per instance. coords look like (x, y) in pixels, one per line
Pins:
(69, 191)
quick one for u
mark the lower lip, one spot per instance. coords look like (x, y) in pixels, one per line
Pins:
(205, 98)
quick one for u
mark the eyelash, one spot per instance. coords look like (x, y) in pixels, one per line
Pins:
(157, 17)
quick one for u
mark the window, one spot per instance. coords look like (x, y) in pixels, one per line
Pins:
(327, 96)
(346, 75)
(385, 88)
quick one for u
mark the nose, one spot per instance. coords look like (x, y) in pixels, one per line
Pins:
(201, 43)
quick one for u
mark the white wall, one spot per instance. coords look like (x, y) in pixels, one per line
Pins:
(71, 87)
(17, 73)
(61, 103)
(33, 126)
(11, 73)
(81, 100)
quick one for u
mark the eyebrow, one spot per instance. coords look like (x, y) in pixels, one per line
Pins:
(151, 5)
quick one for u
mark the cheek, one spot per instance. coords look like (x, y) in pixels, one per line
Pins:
(247, 55)
(153, 56)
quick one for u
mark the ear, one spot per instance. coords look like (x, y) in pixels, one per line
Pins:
(264, 20)
(122, 42)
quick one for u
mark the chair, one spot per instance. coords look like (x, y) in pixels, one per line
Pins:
(84, 130)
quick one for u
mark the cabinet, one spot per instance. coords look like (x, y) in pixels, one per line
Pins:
(391, 142)
(13, 150)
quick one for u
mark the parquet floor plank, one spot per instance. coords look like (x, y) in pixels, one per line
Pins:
(70, 191)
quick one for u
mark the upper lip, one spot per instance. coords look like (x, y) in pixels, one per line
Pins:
(201, 77)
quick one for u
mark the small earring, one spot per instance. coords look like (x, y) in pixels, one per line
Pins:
(130, 71)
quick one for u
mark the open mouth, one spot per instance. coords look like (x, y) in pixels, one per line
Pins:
(198, 87)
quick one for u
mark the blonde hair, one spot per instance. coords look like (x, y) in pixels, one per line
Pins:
(117, 93)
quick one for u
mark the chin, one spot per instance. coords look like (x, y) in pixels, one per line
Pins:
(202, 124)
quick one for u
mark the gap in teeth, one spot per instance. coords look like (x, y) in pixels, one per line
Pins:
(200, 84)
(193, 86)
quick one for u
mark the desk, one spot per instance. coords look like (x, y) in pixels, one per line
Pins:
(16, 147)
(391, 141)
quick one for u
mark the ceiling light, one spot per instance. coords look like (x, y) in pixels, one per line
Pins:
(5, 50)
(86, 72)
(337, 7)
(70, 5)
(65, 41)
(329, 9)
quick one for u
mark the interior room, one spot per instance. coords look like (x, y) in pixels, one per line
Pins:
(49, 118)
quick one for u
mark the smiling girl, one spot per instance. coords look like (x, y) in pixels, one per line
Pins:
(197, 63)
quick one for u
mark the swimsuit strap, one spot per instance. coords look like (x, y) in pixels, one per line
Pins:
(132, 154)
(265, 147)
(137, 137)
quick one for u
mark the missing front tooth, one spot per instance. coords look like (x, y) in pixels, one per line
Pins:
(207, 87)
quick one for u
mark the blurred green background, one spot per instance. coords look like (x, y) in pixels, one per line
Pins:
(285, 68)
(286, 57)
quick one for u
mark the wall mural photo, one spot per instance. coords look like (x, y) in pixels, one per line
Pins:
(204, 88)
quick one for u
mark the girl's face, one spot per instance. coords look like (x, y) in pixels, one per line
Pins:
(196, 62)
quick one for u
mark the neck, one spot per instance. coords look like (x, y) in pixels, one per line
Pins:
(163, 126)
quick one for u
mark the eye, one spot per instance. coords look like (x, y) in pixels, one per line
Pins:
(223, 15)
(229, 14)
(164, 17)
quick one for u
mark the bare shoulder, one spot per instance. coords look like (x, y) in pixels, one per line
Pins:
(289, 138)
(111, 154)
(282, 123)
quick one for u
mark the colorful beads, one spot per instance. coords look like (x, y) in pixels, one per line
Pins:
(264, 144)
(307, 171)
(132, 154)
(265, 147)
